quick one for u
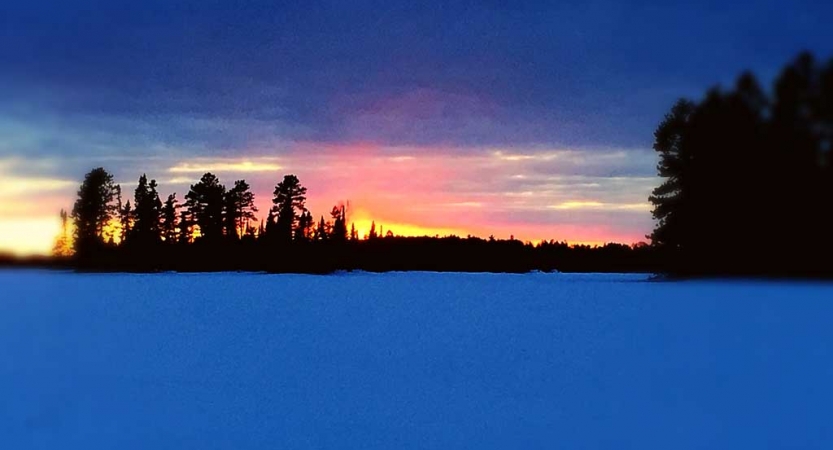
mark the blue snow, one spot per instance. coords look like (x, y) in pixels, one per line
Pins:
(412, 361)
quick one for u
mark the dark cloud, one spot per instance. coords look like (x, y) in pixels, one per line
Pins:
(590, 73)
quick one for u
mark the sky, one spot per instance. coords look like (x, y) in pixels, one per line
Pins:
(526, 119)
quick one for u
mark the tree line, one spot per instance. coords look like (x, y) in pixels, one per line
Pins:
(748, 177)
(216, 228)
(210, 214)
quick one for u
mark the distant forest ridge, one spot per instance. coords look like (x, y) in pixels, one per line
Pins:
(745, 188)
(215, 228)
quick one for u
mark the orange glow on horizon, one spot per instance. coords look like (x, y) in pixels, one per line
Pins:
(410, 191)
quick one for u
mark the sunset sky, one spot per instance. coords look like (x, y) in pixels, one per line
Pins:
(531, 119)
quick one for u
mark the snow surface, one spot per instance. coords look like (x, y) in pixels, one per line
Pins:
(412, 361)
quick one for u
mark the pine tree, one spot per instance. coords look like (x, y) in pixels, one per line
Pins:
(125, 215)
(186, 228)
(669, 199)
(269, 231)
(305, 223)
(744, 173)
(125, 221)
(339, 227)
(148, 212)
(239, 209)
(93, 210)
(289, 199)
(169, 219)
(321, 233)
(205, 204)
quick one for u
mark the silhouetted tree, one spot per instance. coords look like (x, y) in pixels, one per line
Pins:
(125, 221)
(321, 233)
(147, 213)
(289, 201)
(339, 227)
(372, 234)
(304, 231)
(796, 146)
(125, 216)
(205, 203)
(269, 230)
(169, 219)
(93, 210)
(669, 199)
(744, 173)
(186, 228)
(239, 209)
(354, 235)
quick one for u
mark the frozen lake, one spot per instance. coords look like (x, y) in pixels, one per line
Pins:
(412, 361)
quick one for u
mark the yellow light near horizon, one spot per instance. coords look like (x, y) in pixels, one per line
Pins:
(363, 221)
(235, 167)
(17, 185)
(29, 236)
(579, 204)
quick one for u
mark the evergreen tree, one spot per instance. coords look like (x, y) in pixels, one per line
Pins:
(740, 168)
(825, 114)
(354, 235)
(239, 209)
(125, 215)
(669, 199)
(305, 223)
(93, 210)
(269, 230)
(339, 227)
(125, 221)
(148, 212)
(321, 233)
(169, 219)
(186, 228)
(372, 234)
(289, 201)
(309, 224)
(796, 146)
(205, 204)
